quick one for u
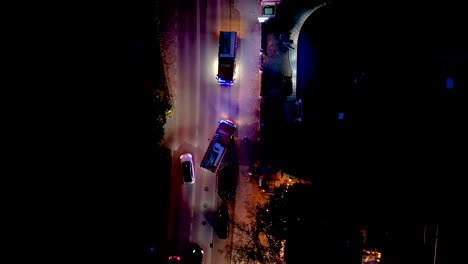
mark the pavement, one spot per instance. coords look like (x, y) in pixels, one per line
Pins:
(248, 193)
(249, 83)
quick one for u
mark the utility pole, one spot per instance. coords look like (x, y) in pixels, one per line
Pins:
(430, 239)
(435, 244)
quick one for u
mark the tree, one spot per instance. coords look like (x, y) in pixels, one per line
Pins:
(161, 100)
(161, 106)
(262, 238)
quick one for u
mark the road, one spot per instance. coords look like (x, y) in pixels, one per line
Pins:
(199, 103)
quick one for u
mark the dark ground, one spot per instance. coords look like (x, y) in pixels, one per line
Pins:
(400, 124)
(82, 179)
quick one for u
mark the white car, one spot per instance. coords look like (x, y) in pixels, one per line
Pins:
(188, 171)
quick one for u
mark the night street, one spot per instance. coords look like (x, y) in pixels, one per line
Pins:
(379, 134)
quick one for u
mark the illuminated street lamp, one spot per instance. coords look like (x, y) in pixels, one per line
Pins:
(268, 9)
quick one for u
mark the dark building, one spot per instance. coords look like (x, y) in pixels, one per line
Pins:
(384, 89)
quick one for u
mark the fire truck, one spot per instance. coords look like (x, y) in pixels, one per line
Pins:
(218, 145)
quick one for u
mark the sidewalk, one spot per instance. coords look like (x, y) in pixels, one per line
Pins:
(249, 107)
(248, 193)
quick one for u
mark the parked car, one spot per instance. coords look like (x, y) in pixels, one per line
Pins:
(222, 222)
(183, 252)
(195, 254)
(174, 259)
(188, 172)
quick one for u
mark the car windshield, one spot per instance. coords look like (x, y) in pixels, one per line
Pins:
(187, 171)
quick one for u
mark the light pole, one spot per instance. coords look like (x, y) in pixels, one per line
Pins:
(435, 244)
